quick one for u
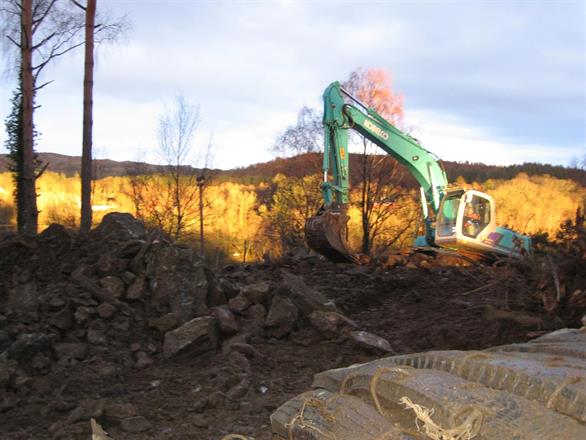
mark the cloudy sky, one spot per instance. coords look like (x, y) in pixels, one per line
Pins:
(498, 82)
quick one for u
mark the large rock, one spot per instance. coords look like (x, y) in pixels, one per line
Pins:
(257, 293)
(109, 264)
(226, 320)
(165, 323)
(106, 310)
(257, 313)
(117, 411)
(178, 280)
(306, 298)
(253, 320)
(119, 227)
(23, 300)
(330, 324)
(197, 335)
(143, 360)
(240, 338)
(56, 237)
(136, 289)
(135, 424)
(229, 289)
(87, 409)
(370, 342)
(114, 286)
(281, 318)
(239, 303)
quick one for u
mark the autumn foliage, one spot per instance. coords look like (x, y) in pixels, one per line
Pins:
(245, 221)
(374, 87)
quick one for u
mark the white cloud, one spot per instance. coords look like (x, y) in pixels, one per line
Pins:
(251, 66)
(451, 138)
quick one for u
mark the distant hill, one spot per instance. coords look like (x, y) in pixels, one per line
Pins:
(71, 165)
(472, 172)
(480, 172)
(305, 164)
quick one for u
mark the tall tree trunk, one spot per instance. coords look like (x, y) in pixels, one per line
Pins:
(29, 193)
(88, 90)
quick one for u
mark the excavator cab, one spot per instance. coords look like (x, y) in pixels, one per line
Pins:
(466, 222)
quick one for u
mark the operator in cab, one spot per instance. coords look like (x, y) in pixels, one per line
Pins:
(471, 221)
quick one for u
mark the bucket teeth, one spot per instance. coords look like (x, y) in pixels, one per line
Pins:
(325, 233)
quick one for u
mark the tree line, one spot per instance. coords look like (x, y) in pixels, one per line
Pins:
(246, 221)
(299, 165)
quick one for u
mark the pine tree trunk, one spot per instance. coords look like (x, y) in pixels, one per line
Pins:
(88, 85)
(29, 195)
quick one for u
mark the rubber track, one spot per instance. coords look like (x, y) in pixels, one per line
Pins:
(501, 415)
(552, 380)
(319, 414)
(535, 390)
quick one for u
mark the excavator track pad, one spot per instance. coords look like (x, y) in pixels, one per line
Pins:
(325, 233)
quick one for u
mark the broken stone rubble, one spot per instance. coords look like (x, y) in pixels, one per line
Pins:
(200, 334)
(135, 299)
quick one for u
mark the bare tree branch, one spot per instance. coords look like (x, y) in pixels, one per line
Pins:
(44, 41)
(12, 41)
(43, 85)
(40, 18)
(79, 5)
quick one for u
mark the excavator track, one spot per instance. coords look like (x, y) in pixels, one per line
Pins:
(535, 390)
(325, 233)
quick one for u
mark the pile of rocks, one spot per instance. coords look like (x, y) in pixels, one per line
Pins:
(120, 297)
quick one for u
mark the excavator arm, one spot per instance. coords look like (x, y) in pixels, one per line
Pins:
(326, 232)
(339, 117)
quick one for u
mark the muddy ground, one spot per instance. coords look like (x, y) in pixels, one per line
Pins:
(207, 394)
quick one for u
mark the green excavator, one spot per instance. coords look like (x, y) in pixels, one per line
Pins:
(456, 219)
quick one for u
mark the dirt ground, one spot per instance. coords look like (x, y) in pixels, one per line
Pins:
(414, 310)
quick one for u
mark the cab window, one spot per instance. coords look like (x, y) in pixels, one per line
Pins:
(476, 216)
(446, 221)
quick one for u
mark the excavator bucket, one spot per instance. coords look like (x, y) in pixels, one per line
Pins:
(325, 233)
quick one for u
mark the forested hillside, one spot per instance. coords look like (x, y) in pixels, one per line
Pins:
(261, 209)
(305, 164)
